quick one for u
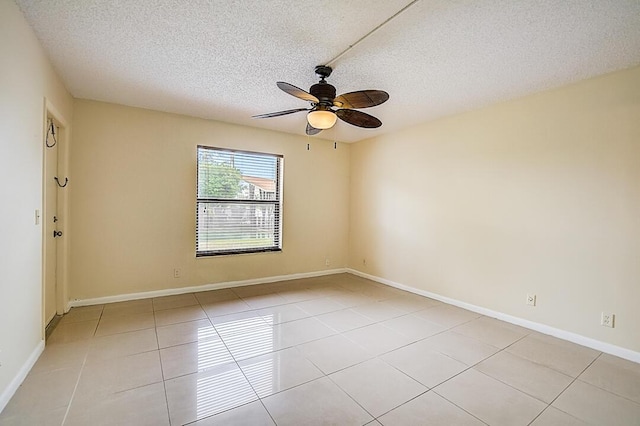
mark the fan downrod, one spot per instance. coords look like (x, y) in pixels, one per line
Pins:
(323, 71)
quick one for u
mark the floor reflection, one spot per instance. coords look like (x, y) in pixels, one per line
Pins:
(212, 353)
(264, 374)
(221, 391)
(245, 336)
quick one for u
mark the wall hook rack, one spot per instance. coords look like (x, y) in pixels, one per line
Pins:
(66, 180)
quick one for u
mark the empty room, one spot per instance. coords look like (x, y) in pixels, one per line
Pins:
(320, 213)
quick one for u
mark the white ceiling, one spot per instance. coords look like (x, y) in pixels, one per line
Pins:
(220, 59)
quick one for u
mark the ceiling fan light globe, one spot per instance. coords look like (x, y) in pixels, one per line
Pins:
(322, 119)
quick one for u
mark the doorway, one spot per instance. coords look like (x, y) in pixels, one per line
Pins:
(54, 215)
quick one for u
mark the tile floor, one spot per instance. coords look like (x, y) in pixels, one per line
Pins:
(336, 350)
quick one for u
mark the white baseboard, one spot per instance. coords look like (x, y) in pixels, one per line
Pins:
(542, 328)
(10, 390)
(204, 287)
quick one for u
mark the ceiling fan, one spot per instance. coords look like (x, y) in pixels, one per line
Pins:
(323, 99)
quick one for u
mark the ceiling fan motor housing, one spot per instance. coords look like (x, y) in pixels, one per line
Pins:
(325, 93)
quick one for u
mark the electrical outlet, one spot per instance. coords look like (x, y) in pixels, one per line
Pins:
(327, 262)
(176, 273)
(607, 319)
(531, 299)
(364, 262)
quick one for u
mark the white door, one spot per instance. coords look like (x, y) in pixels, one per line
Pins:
(50, 218)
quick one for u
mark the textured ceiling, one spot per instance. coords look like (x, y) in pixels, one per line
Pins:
(220, 59)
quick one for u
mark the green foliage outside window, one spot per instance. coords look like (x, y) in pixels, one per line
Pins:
(220, 180)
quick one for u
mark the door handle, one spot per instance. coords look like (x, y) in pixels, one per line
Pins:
(57, 233)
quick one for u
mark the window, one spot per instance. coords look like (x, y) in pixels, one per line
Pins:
(239, 203)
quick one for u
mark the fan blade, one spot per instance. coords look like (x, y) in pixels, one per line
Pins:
(361, 99)
(279, 113)
(312, 130)
(297, 92)
(358, 118)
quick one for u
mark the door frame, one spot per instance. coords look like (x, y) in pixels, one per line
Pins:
(62, 250)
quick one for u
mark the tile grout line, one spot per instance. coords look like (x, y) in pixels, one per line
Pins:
(432, 389)
(469, 368)
(545, 366)
(164, 382)
(601, 388)
(84, 361)
(517, 356)
(463, 371)
(352, 398)
(429, 389)
(456, 405)
(565, 389)
(514, 388)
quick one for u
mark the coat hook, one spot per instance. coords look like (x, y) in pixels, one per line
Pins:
(66, 180)
(51, 130)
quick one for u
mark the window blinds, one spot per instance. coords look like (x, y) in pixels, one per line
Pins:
(239, 202)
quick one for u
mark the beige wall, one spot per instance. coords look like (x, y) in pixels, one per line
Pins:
(26, 78)
(539, 195)
(133, 175)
